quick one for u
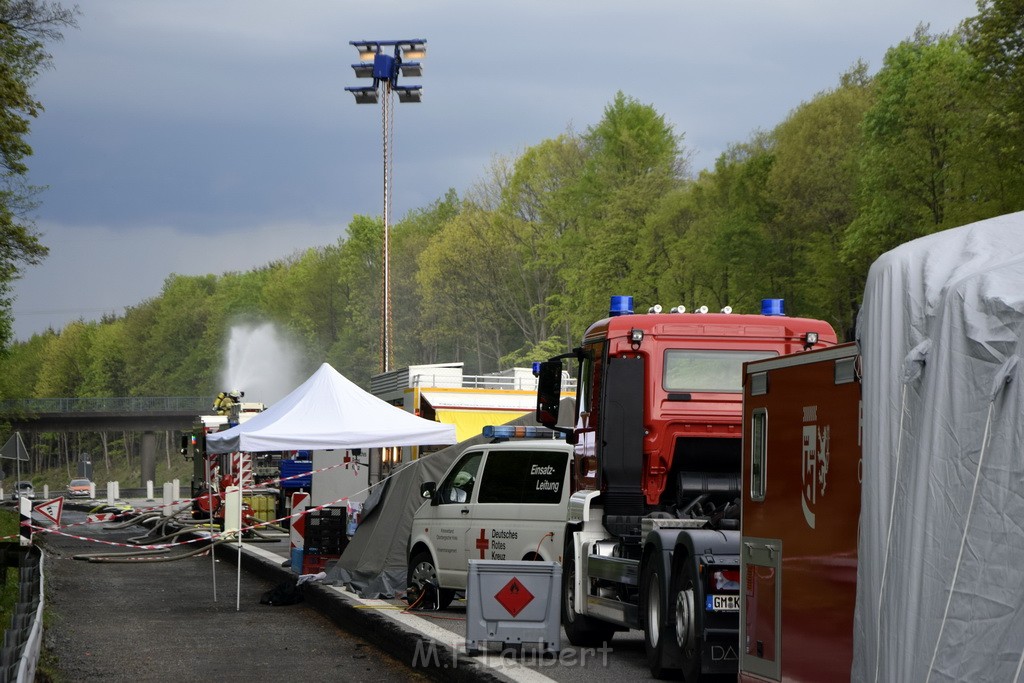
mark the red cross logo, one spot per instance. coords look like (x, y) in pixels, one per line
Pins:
(482, 543)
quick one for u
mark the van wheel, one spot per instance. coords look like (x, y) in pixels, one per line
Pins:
(581, 631)
(423, 591)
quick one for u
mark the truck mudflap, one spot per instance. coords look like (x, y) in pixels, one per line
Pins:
(719, 651)
(713, 558)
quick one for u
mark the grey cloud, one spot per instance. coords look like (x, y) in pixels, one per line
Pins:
(175, 121)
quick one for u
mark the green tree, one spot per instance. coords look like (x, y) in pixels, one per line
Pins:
(19, 367)
(529, 352)
(996, 39)
(814, 180)
(305, 295)
(166, 357)
(356, 353)
(138, 324)
(633, 159)
(541, 195)
(65, 361)
(106, 373)
(496, 267)
(457, 275)
(25, 26)
(413, 322)
(709, 241)
(921, 170)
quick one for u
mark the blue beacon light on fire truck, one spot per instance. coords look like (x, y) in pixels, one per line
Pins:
(620, 305)
(773, 307)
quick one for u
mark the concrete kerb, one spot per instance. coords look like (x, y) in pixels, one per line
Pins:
(376, 626)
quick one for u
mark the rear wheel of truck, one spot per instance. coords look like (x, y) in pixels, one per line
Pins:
(581, 631)
(684, 590)
(660, 642)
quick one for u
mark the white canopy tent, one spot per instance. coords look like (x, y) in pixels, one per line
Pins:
(328, 411)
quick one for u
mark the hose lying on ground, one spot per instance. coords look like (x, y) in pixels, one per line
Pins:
(145, 555)
(97, 557)
(147, 540)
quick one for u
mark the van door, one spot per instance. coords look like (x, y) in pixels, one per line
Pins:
(452, 519)
(520, 506)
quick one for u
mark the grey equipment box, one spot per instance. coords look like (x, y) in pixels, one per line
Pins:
(513, 603)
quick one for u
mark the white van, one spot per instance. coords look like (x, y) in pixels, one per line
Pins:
(498, 501)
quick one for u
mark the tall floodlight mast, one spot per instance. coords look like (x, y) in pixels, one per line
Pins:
(384, 68)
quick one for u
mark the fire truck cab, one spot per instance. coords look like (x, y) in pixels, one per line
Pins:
(653, 537)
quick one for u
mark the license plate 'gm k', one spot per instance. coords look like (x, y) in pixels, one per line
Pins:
(723, 603)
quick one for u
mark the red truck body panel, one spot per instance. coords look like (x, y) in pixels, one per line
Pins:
(703, 414)
(800, 511)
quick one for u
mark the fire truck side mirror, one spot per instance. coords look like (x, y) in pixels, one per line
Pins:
(186, 441)
(549, 392)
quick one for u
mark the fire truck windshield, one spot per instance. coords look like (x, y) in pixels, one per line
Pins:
(707, 370)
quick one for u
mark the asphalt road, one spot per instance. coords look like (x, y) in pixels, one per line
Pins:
(158, 621)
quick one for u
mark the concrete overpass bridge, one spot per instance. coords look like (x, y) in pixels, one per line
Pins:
(147, 415)
(134, 414)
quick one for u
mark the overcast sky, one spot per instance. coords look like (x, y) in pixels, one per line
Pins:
(193, 137)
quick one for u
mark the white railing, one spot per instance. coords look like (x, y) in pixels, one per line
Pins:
(499, 382)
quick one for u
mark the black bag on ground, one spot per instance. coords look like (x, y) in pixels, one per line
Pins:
(284, 593)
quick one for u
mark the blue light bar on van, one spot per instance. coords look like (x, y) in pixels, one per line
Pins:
(620, 305)
(773, 307)
(517, 432)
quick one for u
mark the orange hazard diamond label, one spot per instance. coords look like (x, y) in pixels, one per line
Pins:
(514, 597)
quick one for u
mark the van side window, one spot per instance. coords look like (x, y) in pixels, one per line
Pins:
(458, 487)
(523, 477)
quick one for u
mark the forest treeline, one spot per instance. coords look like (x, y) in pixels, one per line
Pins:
(516, 267)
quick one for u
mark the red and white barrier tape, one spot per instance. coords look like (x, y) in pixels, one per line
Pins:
(211, 536)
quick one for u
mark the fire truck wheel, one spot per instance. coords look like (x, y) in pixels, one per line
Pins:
(580, 630)
(422, 589)
(659, 630)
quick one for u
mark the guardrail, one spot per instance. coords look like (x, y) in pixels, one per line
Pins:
(123, 404)
(23, 639)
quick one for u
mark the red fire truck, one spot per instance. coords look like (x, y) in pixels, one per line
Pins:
(652, 540)
(802, 475)
(213, 467)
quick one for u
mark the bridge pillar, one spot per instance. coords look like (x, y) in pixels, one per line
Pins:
(148, 457)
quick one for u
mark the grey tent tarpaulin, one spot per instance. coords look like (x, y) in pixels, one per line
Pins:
(374, 564)
(941, 554)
